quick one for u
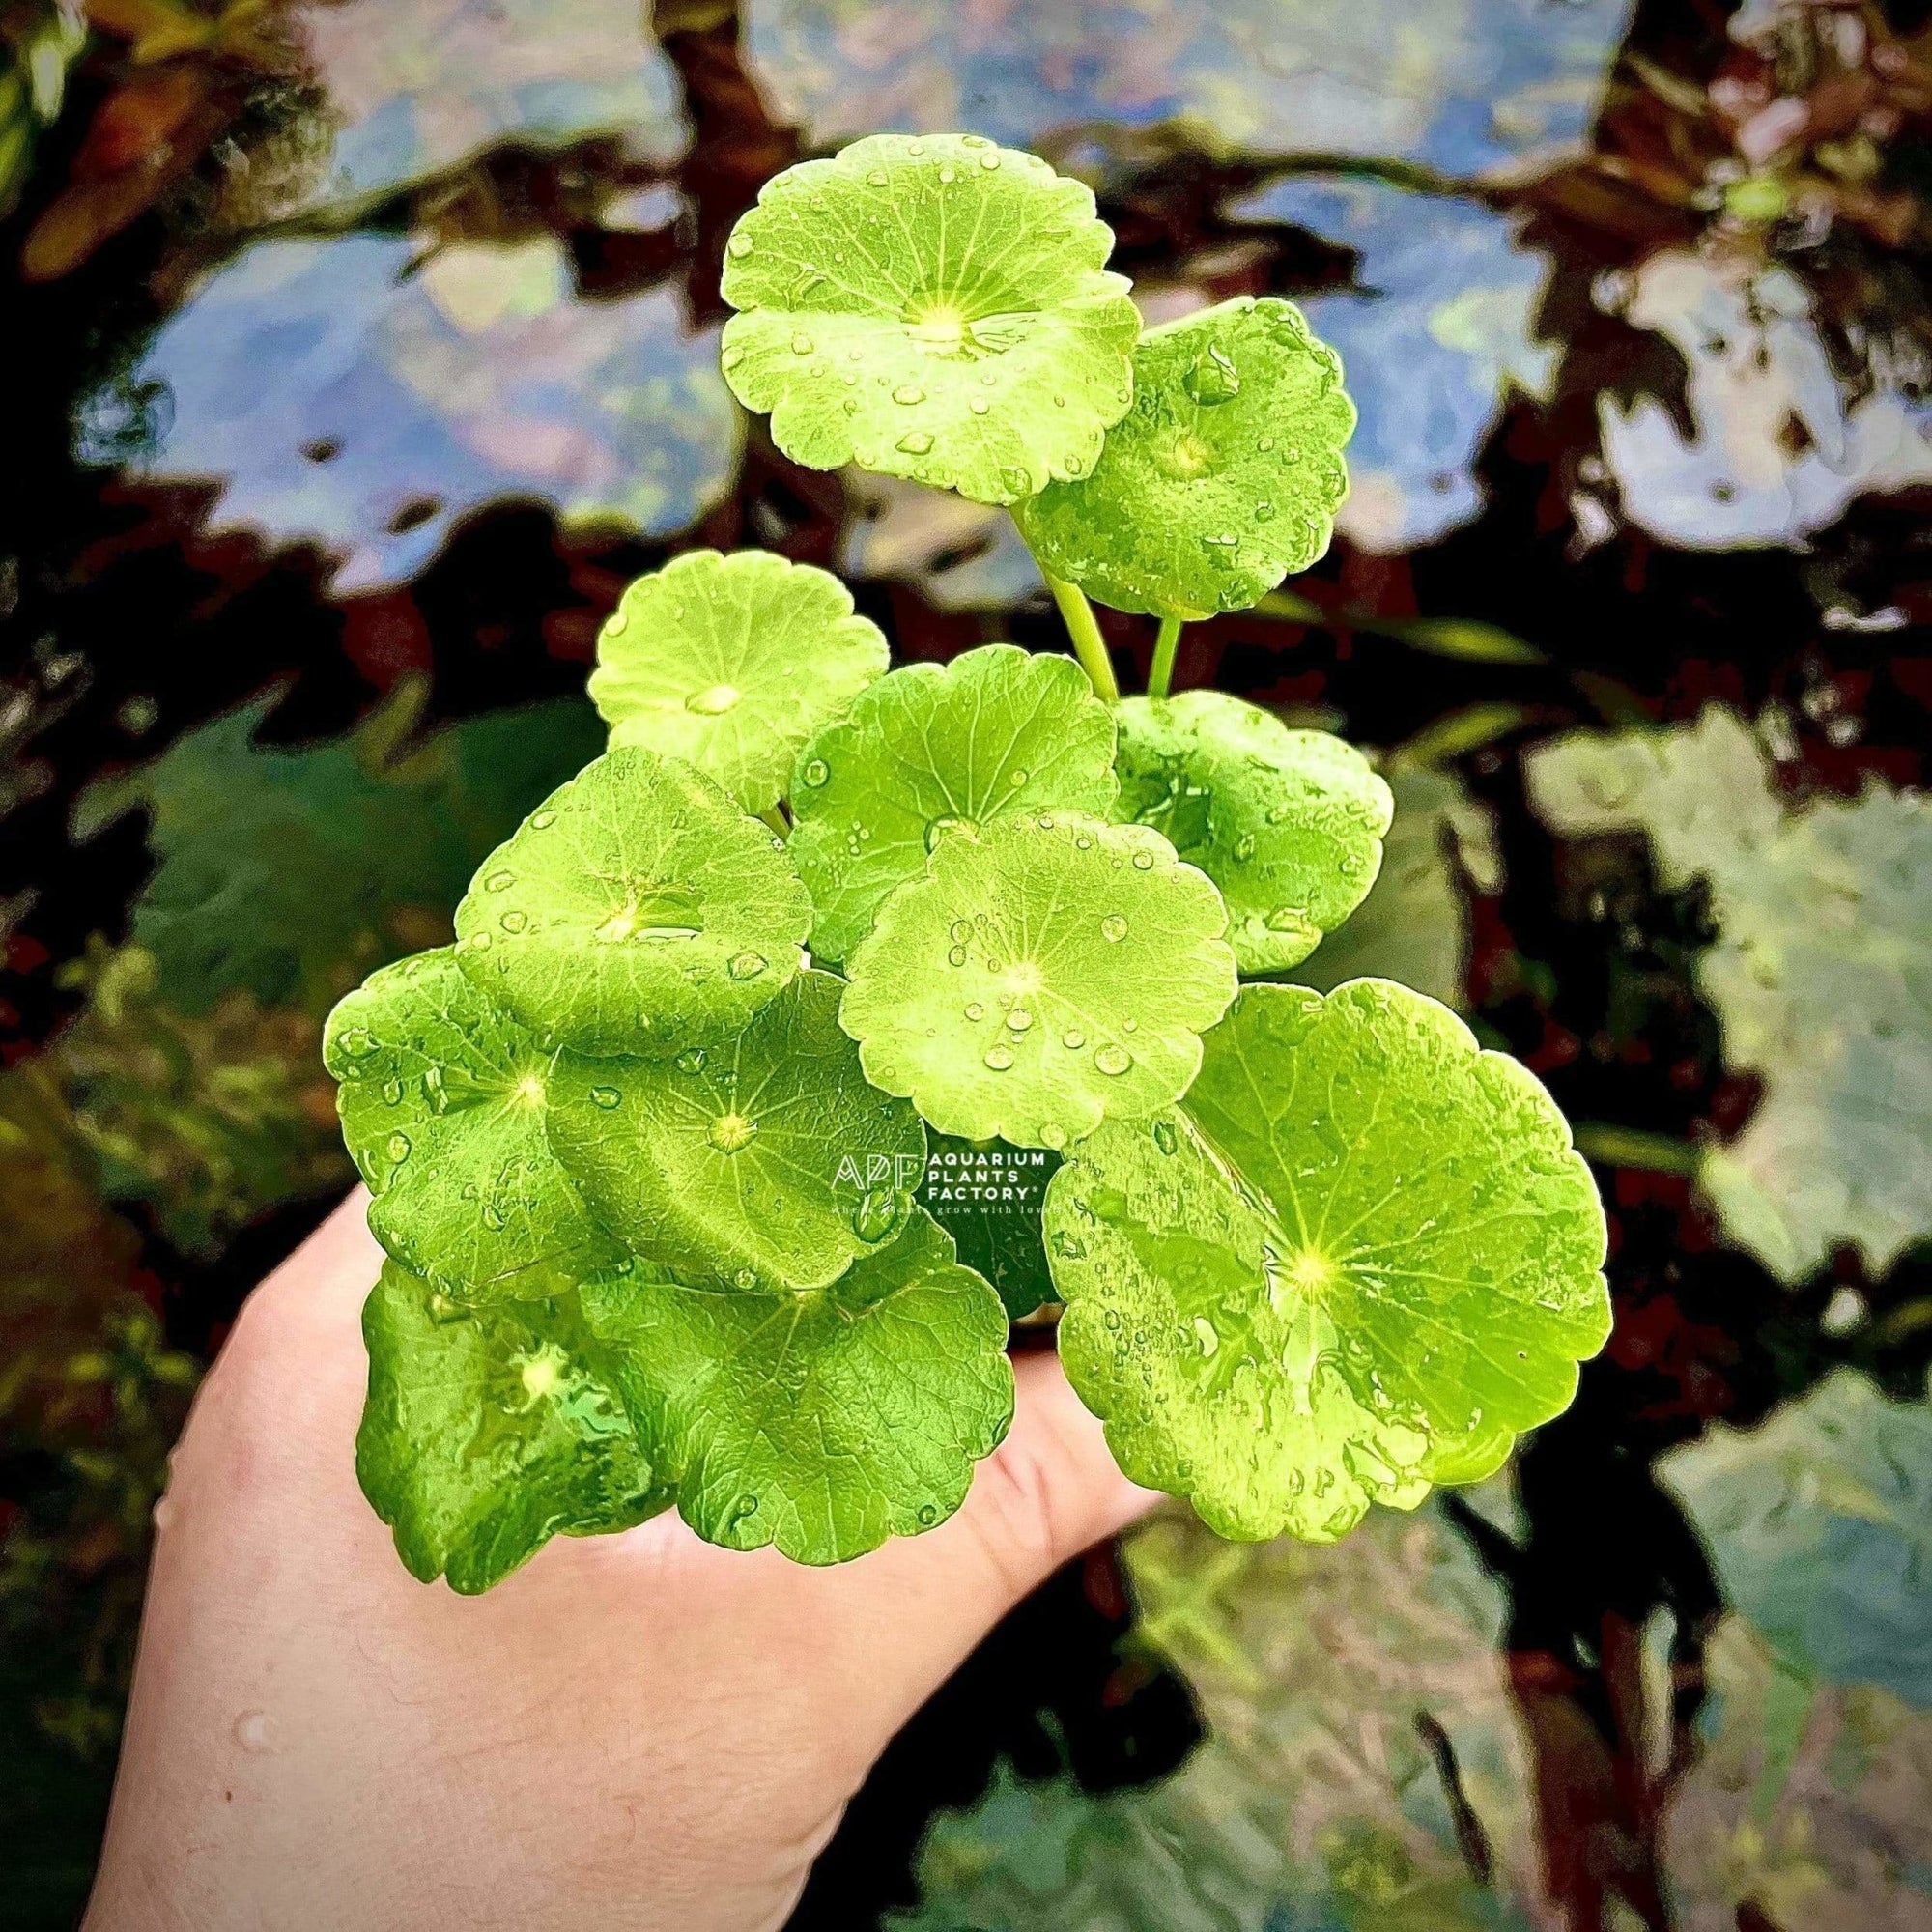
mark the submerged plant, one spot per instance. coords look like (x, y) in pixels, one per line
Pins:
(655, 1177)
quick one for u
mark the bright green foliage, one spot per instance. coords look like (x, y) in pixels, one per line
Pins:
(630, 1151)
(636, 910)
(444, 1099)
(929, 750)
(766, 1162)
(934, 307)
(1362, 1257)
(1289, 824)
(822, 1423)
(279, 866)
(1815, 910)
(489, 1431)
(1223, 477)
(1043, 974)
(731, 663)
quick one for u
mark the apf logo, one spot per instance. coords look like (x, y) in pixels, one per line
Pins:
(898, 1170)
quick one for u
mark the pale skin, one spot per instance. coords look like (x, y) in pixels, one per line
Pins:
(635, 1732)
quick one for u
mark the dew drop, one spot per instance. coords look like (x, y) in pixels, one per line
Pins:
(690, 1060)
(949, 176)
(1264, 444)
(392, 1092)
(979, 406)
(1164, 1136)
(740, 243)
(1114, 926)
(1019, 1020)
(514, 921)
(801, 343)
(909, 393)
(1142, 862)
(714, 700)
(1244, 847)
(1073, 1039)
(879, 178)
(398, 1148)
(1212, 377)
(542, 821)
(1016, 480)
(1264, 512)
(914, 443)
(956, 956)
(499, 882)
(915, 148)
(976, 1011)
(1069, 1246)
(479, 941)
(357, 1040)
(606, 1097)
(816, 773)
(876, 1216)
(960, 931)
(1113, 1060)
(999, 1058)
(746, 965)
(1206, 1334)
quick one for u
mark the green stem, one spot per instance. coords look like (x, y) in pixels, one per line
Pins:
(1084, 628)
(1632, 1147)
(774, 816)
(1161, 673)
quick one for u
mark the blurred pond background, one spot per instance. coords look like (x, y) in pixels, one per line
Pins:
(362, 353)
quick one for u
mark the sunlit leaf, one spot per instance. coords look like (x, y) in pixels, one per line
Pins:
(1289, 824)
(931, 749)
(444, 1099)
(821, 1423)
(488, 1431)
(731, 663)
(1360, 1246)
(764, 1162)
(1223, 478)
(931, 306)
(1043, 974)
(635, 910)
(1816, 976)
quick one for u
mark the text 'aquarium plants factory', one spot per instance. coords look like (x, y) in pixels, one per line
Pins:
(839, 1016)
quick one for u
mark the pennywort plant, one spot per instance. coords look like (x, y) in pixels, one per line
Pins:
(838, 1015)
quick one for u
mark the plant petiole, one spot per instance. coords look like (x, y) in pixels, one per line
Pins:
(1084, 628)
(1160, 672)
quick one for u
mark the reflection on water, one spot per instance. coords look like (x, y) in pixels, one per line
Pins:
(1782, 442)
(390, 333)
(415, 85)
(1463, 85)
(348, 396)
(1439, 326)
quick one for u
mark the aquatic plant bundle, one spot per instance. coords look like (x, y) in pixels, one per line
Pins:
(838, 1016)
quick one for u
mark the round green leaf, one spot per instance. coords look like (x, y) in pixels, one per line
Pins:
(488, 1431)
(822, 1423)
(1043, 974)
(930, 748)
(767, 1161)
(934, 307)
(1223, 478)
(1360, 1259)
(636, 910)
(443, 1099)
(731, 663)
(1289, 824)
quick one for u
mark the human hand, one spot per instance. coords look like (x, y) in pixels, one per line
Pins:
(636, 1731)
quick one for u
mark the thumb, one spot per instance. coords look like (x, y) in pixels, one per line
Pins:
(915, 1608)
